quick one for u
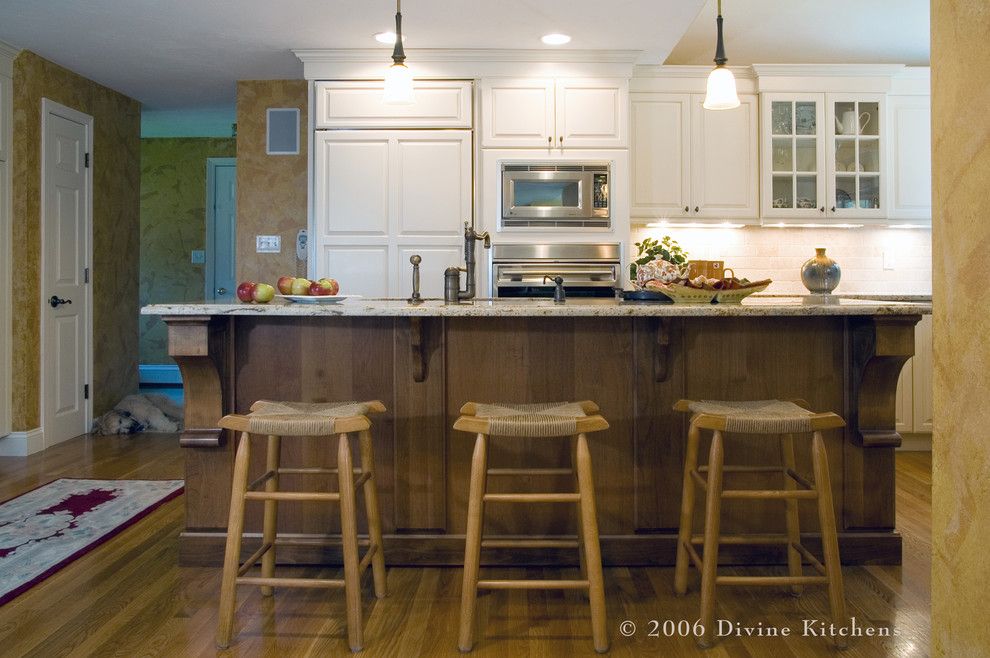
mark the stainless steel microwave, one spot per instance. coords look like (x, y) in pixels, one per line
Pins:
(555, 195)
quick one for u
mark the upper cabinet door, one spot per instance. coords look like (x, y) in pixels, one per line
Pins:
(855, 125)
(910, 180)
(433, 182)
(591, 113)
(661, 155)
(724, 160)
(358, 104)
(793, 157)
(517, 113)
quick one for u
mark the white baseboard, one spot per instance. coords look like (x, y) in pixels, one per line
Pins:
(159, 374)
(916, 442)
(22, 444)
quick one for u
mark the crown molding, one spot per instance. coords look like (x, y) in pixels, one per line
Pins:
(467, 63)
(827, 70)
(7, 55)
(8, 50)
(689, 71)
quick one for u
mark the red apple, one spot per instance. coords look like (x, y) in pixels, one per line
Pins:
(264, 293)
(245, 291)
(300, 286)
(284, 284)
(321, 288)
(332, 284)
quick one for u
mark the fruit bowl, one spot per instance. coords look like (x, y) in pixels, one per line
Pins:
(316, 299)
(682, 294)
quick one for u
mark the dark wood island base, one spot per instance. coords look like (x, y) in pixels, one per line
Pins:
(634, 367)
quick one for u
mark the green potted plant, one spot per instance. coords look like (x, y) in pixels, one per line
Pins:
(651, 250)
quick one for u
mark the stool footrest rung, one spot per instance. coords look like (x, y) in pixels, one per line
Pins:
(769, 494)
(361, 479)
(315, 540)
(291, 470)
(532, 498)
(292, 495)
(261, 480)
(533, 584)
(366, 560)
(693, 554)
(745, 540)
(530, 471)
(243, 569)
(745, 469)
(771, 580)
(530, 543)
(812, 560)
(290, 582)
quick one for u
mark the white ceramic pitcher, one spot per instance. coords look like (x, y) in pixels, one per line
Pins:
(850, 123)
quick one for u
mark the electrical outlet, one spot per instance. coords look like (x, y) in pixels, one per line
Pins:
(889, 260)
(198, 256)
(268, 244)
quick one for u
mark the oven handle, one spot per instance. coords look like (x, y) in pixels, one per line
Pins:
(609, 274)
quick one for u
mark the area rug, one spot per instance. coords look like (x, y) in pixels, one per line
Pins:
(46, 528)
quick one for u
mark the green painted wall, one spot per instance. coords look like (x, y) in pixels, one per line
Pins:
(173, 224)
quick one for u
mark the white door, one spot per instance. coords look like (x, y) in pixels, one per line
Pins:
(725, 160)
(221, 230)
(66, 229)
(910, 181)
(661, 155)
(923, 373)
(793, 157)
(591, 113)
(518, 113)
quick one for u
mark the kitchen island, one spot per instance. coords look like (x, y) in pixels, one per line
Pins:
(634, 360)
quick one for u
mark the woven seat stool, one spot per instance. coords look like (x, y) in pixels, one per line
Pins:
(766, 417)
(571, 420)
(299, 419)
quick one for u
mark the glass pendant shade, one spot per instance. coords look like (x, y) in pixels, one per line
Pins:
(721, 93)
(399, 85)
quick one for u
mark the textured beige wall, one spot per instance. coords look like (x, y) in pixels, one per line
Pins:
(961, 248)
(271, 189)
(173, 224)
(116, 145)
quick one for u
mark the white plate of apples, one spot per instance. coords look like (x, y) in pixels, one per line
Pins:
(305, 291)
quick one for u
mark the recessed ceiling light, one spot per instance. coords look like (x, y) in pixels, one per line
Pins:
(387, 38)
(555, 39)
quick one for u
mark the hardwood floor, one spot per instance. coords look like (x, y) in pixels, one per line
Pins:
(129, 598)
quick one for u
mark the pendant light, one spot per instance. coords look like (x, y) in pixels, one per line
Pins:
(398, 77)
(721, 94)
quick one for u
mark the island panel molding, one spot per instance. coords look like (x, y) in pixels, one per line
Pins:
(635, 366)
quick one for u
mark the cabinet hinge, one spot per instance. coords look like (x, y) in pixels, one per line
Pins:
(86, 161)
(85, 391)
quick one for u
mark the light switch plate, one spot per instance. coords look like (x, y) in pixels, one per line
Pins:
(268, 244)
(198, 256)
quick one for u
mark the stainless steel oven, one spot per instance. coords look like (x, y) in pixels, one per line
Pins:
(555, 194)
(588, 270)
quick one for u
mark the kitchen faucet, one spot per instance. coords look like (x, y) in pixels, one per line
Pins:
(452, 293)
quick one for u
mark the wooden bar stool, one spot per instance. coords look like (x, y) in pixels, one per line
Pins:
(758, 417)
(278, 419)
(555, 420)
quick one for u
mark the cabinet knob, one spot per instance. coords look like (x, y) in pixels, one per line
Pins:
(686, 209)
(696, 208)
(561, 140)
(549, 141)
(822, 208)
(833, 208)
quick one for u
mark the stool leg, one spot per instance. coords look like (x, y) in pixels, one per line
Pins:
(472, 547)
(583, 558)
(687, 512)
(793, 523)
(273, 460)
(231, 557)
(709, 560)
(593, 554)
(830, 543)
(348, 532)
(374, 513)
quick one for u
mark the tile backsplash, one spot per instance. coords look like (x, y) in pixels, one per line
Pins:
(778, 253)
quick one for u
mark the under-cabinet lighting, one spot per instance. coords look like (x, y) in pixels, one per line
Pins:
(908, 226)
(555, 39)
(802, 225)
(666, 224)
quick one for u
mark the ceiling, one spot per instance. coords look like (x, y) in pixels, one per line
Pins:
(184, 54)
(811, 31)
(188, 54)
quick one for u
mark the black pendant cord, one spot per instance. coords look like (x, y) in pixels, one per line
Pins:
(398, 53)
(720, 58)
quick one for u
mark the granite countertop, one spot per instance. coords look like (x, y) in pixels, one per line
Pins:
(368, 306)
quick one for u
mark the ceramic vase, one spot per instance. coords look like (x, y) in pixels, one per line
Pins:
(820, 274)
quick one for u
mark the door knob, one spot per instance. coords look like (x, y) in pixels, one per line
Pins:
(221, 291)
(57, 301)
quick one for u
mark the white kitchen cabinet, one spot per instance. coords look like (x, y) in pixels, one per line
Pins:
(435, 259)
(692, 163)
(380, 196)
(554, 114)
(915, 396)
(823, 156)
(358, 104)
(909, 188)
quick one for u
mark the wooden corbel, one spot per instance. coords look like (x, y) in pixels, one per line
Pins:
(661, 352)
(417, 345)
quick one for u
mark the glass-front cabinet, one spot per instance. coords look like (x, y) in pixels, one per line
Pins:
(822, 156)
